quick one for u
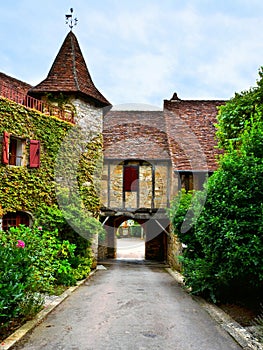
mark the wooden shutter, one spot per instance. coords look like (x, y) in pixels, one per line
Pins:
(34, 154)
(5, 149)
(130, 178)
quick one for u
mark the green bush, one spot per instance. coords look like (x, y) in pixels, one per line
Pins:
(181, 209)
(49, 257)
(238, 113)
(17, 300)
(225, 246)
(33, 260)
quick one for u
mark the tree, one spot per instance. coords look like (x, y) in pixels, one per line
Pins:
(237, 113)
(225, 245)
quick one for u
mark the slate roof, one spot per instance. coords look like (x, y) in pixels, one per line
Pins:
(69, 74)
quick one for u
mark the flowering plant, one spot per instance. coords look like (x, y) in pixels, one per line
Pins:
(20, 244)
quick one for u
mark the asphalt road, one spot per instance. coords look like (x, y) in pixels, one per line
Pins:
(131, 248)
(129, 306)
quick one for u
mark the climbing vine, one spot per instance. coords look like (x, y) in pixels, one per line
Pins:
(26, 189)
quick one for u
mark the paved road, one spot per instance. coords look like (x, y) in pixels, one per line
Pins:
(129, 306)
(130, 248)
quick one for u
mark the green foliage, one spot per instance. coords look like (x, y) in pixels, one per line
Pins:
(73, 221)
(238, 113)
(225, 247)
(25, 189)
(49, 255)
(179, 207)
(34, 260)
(16, 278)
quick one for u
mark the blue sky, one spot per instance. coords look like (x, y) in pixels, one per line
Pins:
(140, 51)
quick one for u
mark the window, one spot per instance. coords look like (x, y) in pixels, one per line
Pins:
(13, 151)
(130, 178)
(16, 148)
(187, 182)
(15, 219)
(193, 180)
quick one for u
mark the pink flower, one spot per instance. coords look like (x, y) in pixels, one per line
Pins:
(20, 244)
(40, 228)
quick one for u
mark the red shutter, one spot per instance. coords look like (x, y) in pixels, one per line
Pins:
(131, 178)
(34, 154)
(5, 149)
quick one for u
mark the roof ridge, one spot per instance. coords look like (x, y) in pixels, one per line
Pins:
(74, 64)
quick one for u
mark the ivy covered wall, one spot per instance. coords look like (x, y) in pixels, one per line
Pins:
(25, 189)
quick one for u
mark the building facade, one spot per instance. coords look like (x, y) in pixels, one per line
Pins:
(148, 156)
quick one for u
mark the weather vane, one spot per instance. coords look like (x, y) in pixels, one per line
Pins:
(70, 21)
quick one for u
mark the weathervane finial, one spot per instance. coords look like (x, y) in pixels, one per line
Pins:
(70, 21)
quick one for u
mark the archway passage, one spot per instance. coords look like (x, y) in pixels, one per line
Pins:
(155, 236)
(130, 241)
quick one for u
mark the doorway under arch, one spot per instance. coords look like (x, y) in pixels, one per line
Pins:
(130, 241)
(155, 235)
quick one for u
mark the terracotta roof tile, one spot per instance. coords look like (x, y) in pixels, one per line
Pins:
(135, 135)
(15, 84)
(69, 74)
(191, 133)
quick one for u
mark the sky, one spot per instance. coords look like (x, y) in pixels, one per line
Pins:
(140, 51)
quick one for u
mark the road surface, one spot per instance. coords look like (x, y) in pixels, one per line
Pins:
(129, 306)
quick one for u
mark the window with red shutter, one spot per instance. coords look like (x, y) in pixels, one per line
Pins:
(5, 148)
(34, 154)
(130, 178)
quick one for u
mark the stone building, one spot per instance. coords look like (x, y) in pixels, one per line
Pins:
(148, 155)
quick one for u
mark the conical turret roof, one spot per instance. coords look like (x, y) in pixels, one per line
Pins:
(69, 74)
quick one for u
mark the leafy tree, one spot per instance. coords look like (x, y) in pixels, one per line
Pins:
(225, 246)
(242, 110)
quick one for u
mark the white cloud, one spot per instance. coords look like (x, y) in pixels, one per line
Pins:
(141, 50)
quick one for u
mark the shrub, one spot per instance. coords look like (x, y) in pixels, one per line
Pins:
(53, 260)
(225, 245)
(17, 300)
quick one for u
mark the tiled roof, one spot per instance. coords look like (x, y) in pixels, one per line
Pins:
(69, 74)
(191, 133)
(15, 84)
(135, 135)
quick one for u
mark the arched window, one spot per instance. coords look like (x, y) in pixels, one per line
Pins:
(15, 219)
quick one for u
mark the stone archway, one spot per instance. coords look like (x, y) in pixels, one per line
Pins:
(156, 231)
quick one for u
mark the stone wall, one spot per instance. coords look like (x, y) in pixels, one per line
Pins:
(90, 118)
(174, 249)
(113, 176)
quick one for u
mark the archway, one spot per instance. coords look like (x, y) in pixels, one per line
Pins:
(130, 241)
(155, 235)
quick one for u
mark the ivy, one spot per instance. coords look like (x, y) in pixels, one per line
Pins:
(25, 189)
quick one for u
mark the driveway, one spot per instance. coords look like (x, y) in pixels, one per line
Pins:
(129, 305)
(130, 248)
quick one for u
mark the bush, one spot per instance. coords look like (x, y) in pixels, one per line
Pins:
(53, 260)
(181, 209)
(17, 300)
(73, 223)
(33, 260)
(225, 246)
